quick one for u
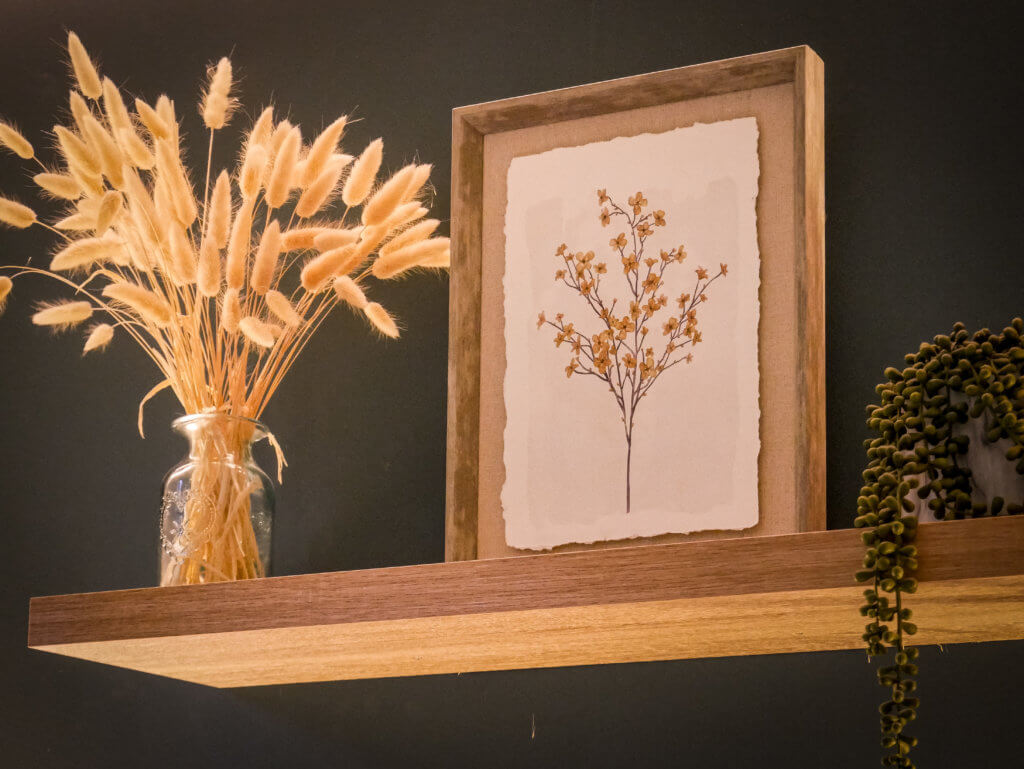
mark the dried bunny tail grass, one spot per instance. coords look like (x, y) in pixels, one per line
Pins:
(265, 262)
(80, 111)
(60, 186)
(155, 124)
(262, 128)
(90, 206)
(182, 263)
(323, 147)
(62, 315)
(257, 332)
(6, 284)
(230, 311)
(110, 159)
(254, 169)
(335, 238)
(151, 307)
(85, 71)
(238, 246)
(348, 291)
(280, 182)
(404, 214)
(76, 152)
(418, 179)
(77, 222)
(282, 309)
(165, 110)
(110, 207)
(150, 214)
(364, 173)
(182, 200)
(217, 103)
(440, 260)
(385, 200)
(218, 218)
(276, 138)
(320, 269)
(369, 239)
(416, 233)
(88, 252)
(318, 193)
(89, 183)
(301, 238)
(406, 258)
(113, 106)
(208, 278)
(136, 149)
(12, 139)
(98, 338)
(15, 214)
(381, 320)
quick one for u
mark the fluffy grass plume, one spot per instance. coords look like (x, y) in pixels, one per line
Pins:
(364, 173)
(59, 186)
(322, 268)
(217, 102)
(300, 238)
(316, 194)
(219, 275)
(15, 214)
(384, 201)
(416, 233)
(265, 263)
(208, 275)
(148, 305)
(87, 252)
(85, 71)
(332, 238)
(282, 309)
(381, 320)
(348, 291)
(5, 291)
(12, 139)
(257, 332)
(218, 222)
(322, 149)
(230, 311)
(425, 253)
(61, 315)
(99, 337)
(283, 173)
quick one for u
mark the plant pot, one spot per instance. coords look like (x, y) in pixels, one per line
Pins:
(992, 474)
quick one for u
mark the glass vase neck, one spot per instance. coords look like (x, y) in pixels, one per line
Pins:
(215, 434)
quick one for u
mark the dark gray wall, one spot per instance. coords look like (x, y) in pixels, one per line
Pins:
(923, 183)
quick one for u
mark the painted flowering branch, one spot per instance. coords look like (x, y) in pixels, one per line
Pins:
(627, 354)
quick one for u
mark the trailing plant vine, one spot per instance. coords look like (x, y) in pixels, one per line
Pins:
(921, 446)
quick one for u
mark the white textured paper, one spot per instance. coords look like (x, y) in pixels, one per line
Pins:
(696, 440)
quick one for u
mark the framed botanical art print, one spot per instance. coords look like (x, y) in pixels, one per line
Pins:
(637, 312)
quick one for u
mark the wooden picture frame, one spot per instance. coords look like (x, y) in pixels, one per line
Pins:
(785, 90)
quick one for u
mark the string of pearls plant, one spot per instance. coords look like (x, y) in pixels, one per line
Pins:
(921, 447)
(221, 287)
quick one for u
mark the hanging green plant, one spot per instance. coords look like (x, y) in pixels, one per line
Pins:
(955, 388)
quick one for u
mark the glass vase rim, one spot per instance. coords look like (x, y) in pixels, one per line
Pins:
(183, 423)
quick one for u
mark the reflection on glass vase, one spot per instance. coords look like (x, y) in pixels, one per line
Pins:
(218, 505)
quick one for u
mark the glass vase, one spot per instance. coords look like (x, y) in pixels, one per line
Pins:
(218, 505)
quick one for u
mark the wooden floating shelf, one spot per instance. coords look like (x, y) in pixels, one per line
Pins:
(791, 593)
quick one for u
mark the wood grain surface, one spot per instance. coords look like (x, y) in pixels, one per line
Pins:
(712, 598)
